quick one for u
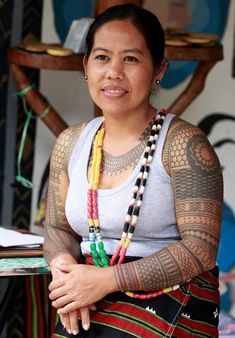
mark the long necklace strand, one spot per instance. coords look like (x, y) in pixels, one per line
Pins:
(138, 192)
(99, 256)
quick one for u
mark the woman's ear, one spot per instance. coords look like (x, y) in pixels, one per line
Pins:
(161, 71)
(84, 61)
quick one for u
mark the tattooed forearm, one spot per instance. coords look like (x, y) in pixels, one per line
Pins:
(127, 277)
(153, 272)
(59, 241)
(59, 237)
(198, 189)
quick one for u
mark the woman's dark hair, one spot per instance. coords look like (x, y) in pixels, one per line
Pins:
(145, 21)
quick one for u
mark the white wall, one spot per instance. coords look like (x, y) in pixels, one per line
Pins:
(68, 94)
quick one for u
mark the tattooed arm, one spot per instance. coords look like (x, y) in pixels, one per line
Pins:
(198, 189)
(62, 244)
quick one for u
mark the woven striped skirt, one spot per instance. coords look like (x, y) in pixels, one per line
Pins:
(190, 311)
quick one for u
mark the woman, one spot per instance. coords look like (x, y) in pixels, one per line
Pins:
(157, 175)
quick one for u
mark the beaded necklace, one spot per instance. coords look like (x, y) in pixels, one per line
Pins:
(99, 256)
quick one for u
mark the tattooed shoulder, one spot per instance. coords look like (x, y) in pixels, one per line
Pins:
(65, 145)
(195, 168)
(187, 146)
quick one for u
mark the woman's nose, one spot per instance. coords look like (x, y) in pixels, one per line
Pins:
(115, 71)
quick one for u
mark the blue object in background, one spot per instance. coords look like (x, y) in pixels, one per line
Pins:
(226, 254)
(65, 11)
(208, 16)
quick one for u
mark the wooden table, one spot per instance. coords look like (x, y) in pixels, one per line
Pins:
(20, 60)
(29, 287)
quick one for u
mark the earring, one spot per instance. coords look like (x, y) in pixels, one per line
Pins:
(85, 77)
(157, 82)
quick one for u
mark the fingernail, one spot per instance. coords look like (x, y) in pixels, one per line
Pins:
(86, 326)
(69, 331)
(63, 325)
(75, 332)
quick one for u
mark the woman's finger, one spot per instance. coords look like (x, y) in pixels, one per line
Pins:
(85, 318)
(68, 308)
(74, 322)
(92, 307)
(65, 321)
(57, 293)
(55, 284)
(63, 302)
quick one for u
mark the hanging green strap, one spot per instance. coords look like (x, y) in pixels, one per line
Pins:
(24, 91)
(19, 178)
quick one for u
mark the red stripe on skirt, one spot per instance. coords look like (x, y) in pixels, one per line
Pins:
(210, 295)
(53, 313)
(195, 325)
(132, 311)
(122, 324)
(29, 306)
(39, 306)
(208, 277)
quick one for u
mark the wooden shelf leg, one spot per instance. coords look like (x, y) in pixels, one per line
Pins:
(37, 101)
(194, 88)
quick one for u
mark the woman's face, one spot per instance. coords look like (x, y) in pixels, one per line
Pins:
(120, 69)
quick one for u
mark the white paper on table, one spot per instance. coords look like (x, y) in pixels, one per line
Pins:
(9, 238)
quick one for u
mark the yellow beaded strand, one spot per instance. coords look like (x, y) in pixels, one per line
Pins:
(93, 221)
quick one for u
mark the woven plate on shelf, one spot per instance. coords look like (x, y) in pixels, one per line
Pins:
(180, 38)
(177, 42)
(201, 38)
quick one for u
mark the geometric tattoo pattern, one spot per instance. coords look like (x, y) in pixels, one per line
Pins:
(60, 238)
(198, 191)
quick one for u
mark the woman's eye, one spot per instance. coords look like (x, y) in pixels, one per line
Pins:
(101, 57)
(131, 59)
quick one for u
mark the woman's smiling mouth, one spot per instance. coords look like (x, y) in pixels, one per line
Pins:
(114, 91)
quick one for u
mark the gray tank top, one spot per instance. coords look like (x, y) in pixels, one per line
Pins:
(156, 225)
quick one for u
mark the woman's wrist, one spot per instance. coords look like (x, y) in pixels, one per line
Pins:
(110, 280)
(63, 258)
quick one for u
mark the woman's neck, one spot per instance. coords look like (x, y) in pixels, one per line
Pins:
(128, 124)
(124, 133)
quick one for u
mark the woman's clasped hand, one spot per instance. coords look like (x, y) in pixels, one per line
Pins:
(80, 286)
